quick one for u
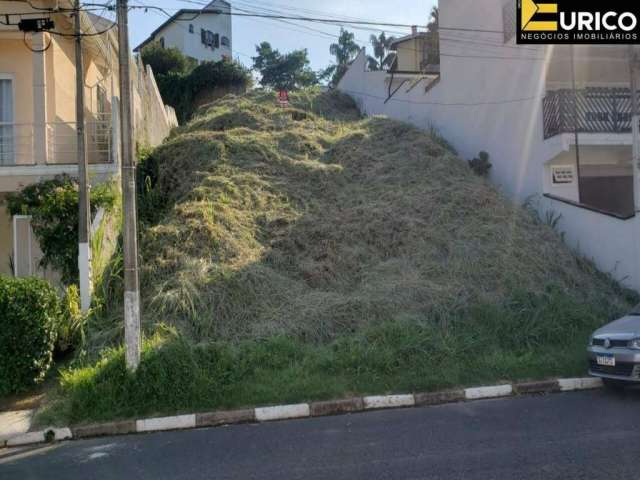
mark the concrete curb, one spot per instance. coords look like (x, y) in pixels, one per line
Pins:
(301, 410)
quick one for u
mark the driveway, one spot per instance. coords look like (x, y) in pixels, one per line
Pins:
(593, 434)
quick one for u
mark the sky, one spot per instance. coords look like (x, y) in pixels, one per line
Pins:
(248, 32)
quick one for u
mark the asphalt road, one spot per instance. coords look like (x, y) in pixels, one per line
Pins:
(592, 434)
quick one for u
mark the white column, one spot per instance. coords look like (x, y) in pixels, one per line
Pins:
(86, 282)
(40, 152)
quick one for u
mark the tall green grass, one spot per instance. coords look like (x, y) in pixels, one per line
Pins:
(535, 337)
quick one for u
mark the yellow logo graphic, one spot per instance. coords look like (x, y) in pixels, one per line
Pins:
(529, 10)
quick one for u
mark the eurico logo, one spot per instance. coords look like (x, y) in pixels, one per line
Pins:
(576, 21)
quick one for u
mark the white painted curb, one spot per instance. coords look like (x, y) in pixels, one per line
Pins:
(302, 410)
(26, 439)
(388, 401)
(282, 412)
(569, 384)
(179, 422)
(39, 437)
(488, 392)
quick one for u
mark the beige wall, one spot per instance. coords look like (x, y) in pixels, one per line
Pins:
(409, 55)
(15, 60)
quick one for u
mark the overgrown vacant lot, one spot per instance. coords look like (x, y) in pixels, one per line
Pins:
(309, 253)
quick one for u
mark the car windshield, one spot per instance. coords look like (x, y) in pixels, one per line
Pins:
(635, 310)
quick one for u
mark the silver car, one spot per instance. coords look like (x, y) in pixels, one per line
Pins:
(614, 351)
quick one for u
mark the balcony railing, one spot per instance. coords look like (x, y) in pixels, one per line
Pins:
(590, 110)
(17, 143)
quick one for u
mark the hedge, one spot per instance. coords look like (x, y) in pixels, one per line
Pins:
(30, 313)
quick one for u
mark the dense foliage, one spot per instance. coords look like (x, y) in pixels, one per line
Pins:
(166, 60)
(53, 206)
(288, 71)
(30, 312)
(344, 51)
(182, 81)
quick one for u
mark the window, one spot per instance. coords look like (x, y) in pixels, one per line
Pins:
(191, 30)
(7, 153)
(210, 39)
(162, 42)
(225, 41)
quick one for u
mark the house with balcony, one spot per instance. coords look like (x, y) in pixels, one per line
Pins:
(38, 126)
(203, 35)
(556, 121)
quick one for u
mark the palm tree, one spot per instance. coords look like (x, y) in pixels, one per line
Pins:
(343, 51)
(433, 28)
(381, 45)
(434, 20)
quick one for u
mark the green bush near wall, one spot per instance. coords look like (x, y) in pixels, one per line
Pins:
(53, 206)
(30, 312)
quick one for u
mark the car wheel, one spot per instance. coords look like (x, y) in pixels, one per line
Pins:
(614, 384)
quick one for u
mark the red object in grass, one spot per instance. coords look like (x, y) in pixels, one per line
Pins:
(283, 98)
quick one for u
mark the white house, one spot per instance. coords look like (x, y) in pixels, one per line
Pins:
(203, 35)
(526, 106)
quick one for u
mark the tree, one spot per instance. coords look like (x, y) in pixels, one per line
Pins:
(434, 20)
(433, 28)
(381, 45)
(289, 71)
(344, 51)
(166, 60)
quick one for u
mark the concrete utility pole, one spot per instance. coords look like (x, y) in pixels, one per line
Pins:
(132, 336)
(84, 210)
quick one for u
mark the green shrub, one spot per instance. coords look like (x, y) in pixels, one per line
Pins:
(53, 206)
(72, 321)
(166, 60)
(180, 90)
(481, 165)
(30, 313)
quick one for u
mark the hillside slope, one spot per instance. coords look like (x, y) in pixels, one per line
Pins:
(312, 221)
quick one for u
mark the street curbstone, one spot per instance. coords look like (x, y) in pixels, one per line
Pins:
(303, 410)
(337, 407)
(104, 429)
(388, 401)
(439, 398)
(496, 391)
(215, 419)
(59, 434)
(26, 439)
(282, 412)
(570, 384)
(529, 388)
(179, 422)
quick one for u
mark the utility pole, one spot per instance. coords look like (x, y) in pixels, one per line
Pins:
(84, 210)
(132, 335)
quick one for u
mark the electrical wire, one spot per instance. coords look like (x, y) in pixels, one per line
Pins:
(36, 50)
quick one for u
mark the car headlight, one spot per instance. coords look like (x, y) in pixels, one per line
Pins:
(635, 343)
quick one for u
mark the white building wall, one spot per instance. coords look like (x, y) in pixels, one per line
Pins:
(489, 97)
(176, 34)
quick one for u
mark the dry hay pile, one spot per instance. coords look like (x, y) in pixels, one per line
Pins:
(313, 221)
